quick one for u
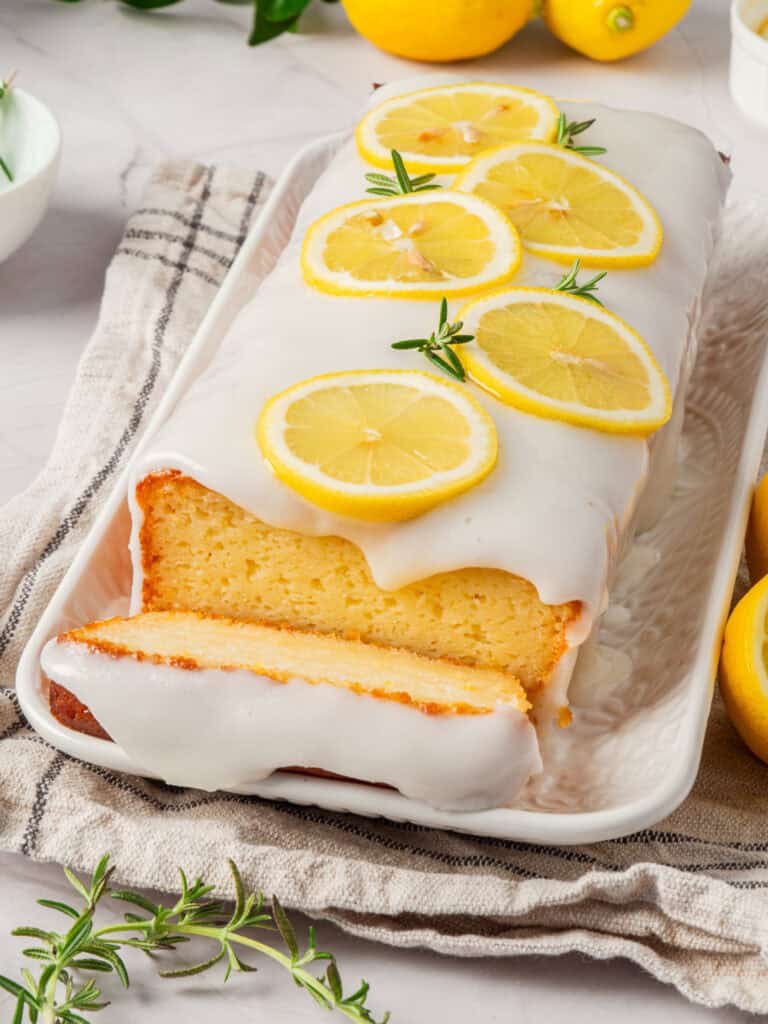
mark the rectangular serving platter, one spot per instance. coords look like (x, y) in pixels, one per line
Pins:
(641, 697)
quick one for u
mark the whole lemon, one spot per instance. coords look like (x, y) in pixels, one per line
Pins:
(609, 30)
(438, 30)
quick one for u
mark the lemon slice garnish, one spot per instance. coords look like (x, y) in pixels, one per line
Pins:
(411, 247)
(743, 671)
(381, 445)
(564, 358)
(442, 128)
(565, 205)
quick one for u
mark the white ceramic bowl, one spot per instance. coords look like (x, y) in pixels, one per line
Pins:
(749, 58)
(30, 143)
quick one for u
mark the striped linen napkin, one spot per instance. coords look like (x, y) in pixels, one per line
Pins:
(686, 900)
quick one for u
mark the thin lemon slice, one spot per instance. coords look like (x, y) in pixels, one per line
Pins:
(566, 206)
(743, 672)
(442, 128)
(756, 541)
(411, 247)
(381, 445)
(564, 358)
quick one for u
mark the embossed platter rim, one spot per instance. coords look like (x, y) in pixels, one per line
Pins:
(98, 578)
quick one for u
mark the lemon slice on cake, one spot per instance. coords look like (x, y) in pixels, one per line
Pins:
(443, 127)
(564, 358)
(381, 445)
(566, 206)
(743, 671)
(411, 247)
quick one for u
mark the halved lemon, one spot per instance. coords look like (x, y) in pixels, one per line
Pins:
(564, 358)
(411, 247)
(756, 541)
(381, 445)
(566, 206)
(743, 674)
(442, 128)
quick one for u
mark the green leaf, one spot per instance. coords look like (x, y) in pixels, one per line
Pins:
(408, 343)
(79, 931)
(137, 899)
(285, 927)
(35, 953)
(237, 881)
(64, 908)
(262, 29)
(187, 972)
(87, 963)
(282, 10)
(334, 980)
(400, 172)
(76, 884)
(15, 989)
(18, 1015)
(35, 933)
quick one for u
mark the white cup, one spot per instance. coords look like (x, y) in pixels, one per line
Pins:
(30, 143)
(749, 58)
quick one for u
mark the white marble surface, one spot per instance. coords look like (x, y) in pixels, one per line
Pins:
(130, 90)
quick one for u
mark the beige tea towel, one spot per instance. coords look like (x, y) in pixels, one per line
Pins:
(687, 899)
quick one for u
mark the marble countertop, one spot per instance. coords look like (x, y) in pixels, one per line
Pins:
(131, 90)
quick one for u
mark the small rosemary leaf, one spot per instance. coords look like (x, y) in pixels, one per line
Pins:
(18, 1015)
(136, 898)
(383, 179)
(237, 880)
(285, 927)
(456, 363)
(68, 1016)
(360, 994)
(410, 343)
(16, 990)
(282, 10)
(591, 297)
(400, 172)
(35, 933)
(76, 884)
(440, 363)
(101, 870)
(87, 963)
(119, 965)
(580, 126)
(423, 179)
(79, 931)
(426, 188)
(45, 975)
(187, 972)
(443, 311)
(334, 980)
(34, 953)
(461, 339)
(64, 908)
(381, 191)
(589, 150)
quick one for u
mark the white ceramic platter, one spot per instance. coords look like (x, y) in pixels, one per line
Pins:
(640, 699)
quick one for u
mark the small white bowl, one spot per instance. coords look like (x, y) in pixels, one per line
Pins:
(30, 143)
(749, 58)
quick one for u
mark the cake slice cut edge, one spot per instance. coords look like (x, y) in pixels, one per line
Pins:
(257, 698)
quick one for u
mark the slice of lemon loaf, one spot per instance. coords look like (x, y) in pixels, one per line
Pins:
(200, 550)
(216, 702)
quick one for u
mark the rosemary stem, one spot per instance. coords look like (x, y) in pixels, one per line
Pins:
(308, 979)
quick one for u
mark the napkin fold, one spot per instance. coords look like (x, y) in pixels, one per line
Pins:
(686, 900)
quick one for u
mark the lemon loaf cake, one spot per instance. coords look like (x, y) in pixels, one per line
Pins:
(235, 691)
(481, 518)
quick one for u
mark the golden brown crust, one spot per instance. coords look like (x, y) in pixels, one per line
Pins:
(68, 710)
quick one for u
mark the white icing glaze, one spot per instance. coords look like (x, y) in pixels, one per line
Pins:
(217, 729)
(554, 509)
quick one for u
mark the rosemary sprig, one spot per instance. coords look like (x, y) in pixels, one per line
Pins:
(437, 347)
(568, 283)
(566, 132)
(401, 183)
(57, 996)
(5, 88)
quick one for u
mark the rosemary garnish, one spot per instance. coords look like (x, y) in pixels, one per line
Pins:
(402, 183)
(5, 88)
(568, 283)
(57, 996)
(437, 346)
(566, 132)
